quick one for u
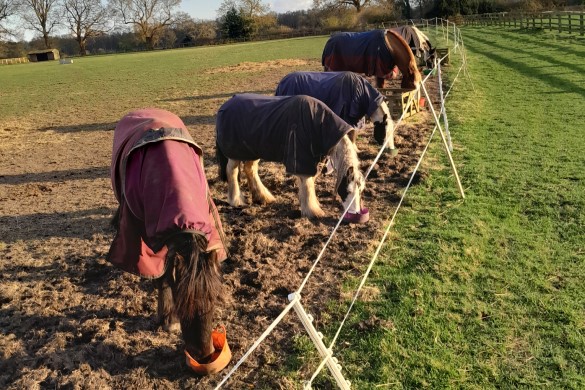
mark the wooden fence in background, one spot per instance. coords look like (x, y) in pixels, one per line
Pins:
(571, 22)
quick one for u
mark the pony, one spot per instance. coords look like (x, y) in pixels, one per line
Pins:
(167, 226)
(419, 43)
(348, 95)
(373, 53)
(298, 131)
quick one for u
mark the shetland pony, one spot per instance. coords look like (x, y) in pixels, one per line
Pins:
(299, 131)
(373, 53)
(419, 44)
(348, 95)
(167, 227)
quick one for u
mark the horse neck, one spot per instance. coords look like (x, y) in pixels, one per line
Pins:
(401, 52)
(198, 286)
(344, 156)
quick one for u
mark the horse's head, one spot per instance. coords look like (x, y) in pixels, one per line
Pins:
(383, 126)
(350, 181)
(197, 287)
(405, 60)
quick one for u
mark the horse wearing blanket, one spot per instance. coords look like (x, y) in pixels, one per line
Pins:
(298, 131)
(167, 225)
(348, 95)
(419, 44)
(373, 53)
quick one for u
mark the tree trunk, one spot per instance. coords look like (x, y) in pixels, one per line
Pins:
(46, 39)
(82, 47)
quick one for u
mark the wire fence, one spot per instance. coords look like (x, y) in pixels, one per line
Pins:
(295, 303)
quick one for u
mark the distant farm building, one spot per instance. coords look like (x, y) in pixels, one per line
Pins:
(43, 55)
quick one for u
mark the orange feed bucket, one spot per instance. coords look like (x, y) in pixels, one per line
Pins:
(219, 358)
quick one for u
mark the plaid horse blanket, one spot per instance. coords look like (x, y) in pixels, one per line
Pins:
(347, 94)
(363, 52)
(298, 131)
(158, 178)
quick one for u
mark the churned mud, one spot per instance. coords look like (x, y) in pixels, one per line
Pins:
(68, 319)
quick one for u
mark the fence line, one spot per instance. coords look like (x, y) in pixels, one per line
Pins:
(572, 22)
(296, 295)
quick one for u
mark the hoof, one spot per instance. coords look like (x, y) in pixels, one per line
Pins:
(393, 152)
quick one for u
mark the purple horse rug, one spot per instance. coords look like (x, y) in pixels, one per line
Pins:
(298, 131)
(347, 94)
(363, 52)
(158, 178)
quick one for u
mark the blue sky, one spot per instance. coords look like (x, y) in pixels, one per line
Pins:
(206, 9)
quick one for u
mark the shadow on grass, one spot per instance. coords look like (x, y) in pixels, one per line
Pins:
(525, 69)
(226, 96)
(81, 127)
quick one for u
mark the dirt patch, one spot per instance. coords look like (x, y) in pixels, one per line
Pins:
(70, 320)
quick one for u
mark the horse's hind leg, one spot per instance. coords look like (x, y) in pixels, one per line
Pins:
(260, 193)
(235, 197)
(310, 206)
(166, 306)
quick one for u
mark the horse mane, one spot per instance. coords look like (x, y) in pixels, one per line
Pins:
(343, 157)
(199, 285)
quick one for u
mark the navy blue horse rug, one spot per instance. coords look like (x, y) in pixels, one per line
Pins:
(348, 94)
(298, 131)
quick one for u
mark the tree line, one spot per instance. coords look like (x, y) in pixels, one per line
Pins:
(81, 27)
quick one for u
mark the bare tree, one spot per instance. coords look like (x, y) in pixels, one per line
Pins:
(42, 16)
(247, 8)
(148, 17)
(8, 8)
(331, 4)
(86, 19)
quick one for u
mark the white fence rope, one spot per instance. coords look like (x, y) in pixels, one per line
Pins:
(285, 311)
(383, 239)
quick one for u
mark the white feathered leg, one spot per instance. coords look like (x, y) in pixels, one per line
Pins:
(310, 206)
(260, 194)
(235, 197)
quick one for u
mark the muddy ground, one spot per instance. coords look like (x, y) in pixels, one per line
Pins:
(68, 319)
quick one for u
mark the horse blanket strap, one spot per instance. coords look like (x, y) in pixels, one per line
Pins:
(363, 52)
(298, 131)
(158, 178)
(347, 94)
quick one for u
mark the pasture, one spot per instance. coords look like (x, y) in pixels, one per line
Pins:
(476, 293)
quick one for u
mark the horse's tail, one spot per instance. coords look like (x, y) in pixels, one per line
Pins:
(199, 283)
(222, 162)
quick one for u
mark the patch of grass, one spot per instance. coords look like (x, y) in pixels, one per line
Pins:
(486, 292)
(116, 84)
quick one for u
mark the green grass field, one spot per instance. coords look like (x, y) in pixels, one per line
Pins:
(485, 292)
(488, 292)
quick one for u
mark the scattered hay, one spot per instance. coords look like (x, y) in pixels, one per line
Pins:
(259, 66)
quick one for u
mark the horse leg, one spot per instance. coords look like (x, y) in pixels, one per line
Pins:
(310, 206)
(166, 308)
(235, 197)
(260, 193)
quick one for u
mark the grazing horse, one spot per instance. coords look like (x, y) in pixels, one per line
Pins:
(419, 43)
(347, 94)
(299, 131)
(168, 228)
(373, 53)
